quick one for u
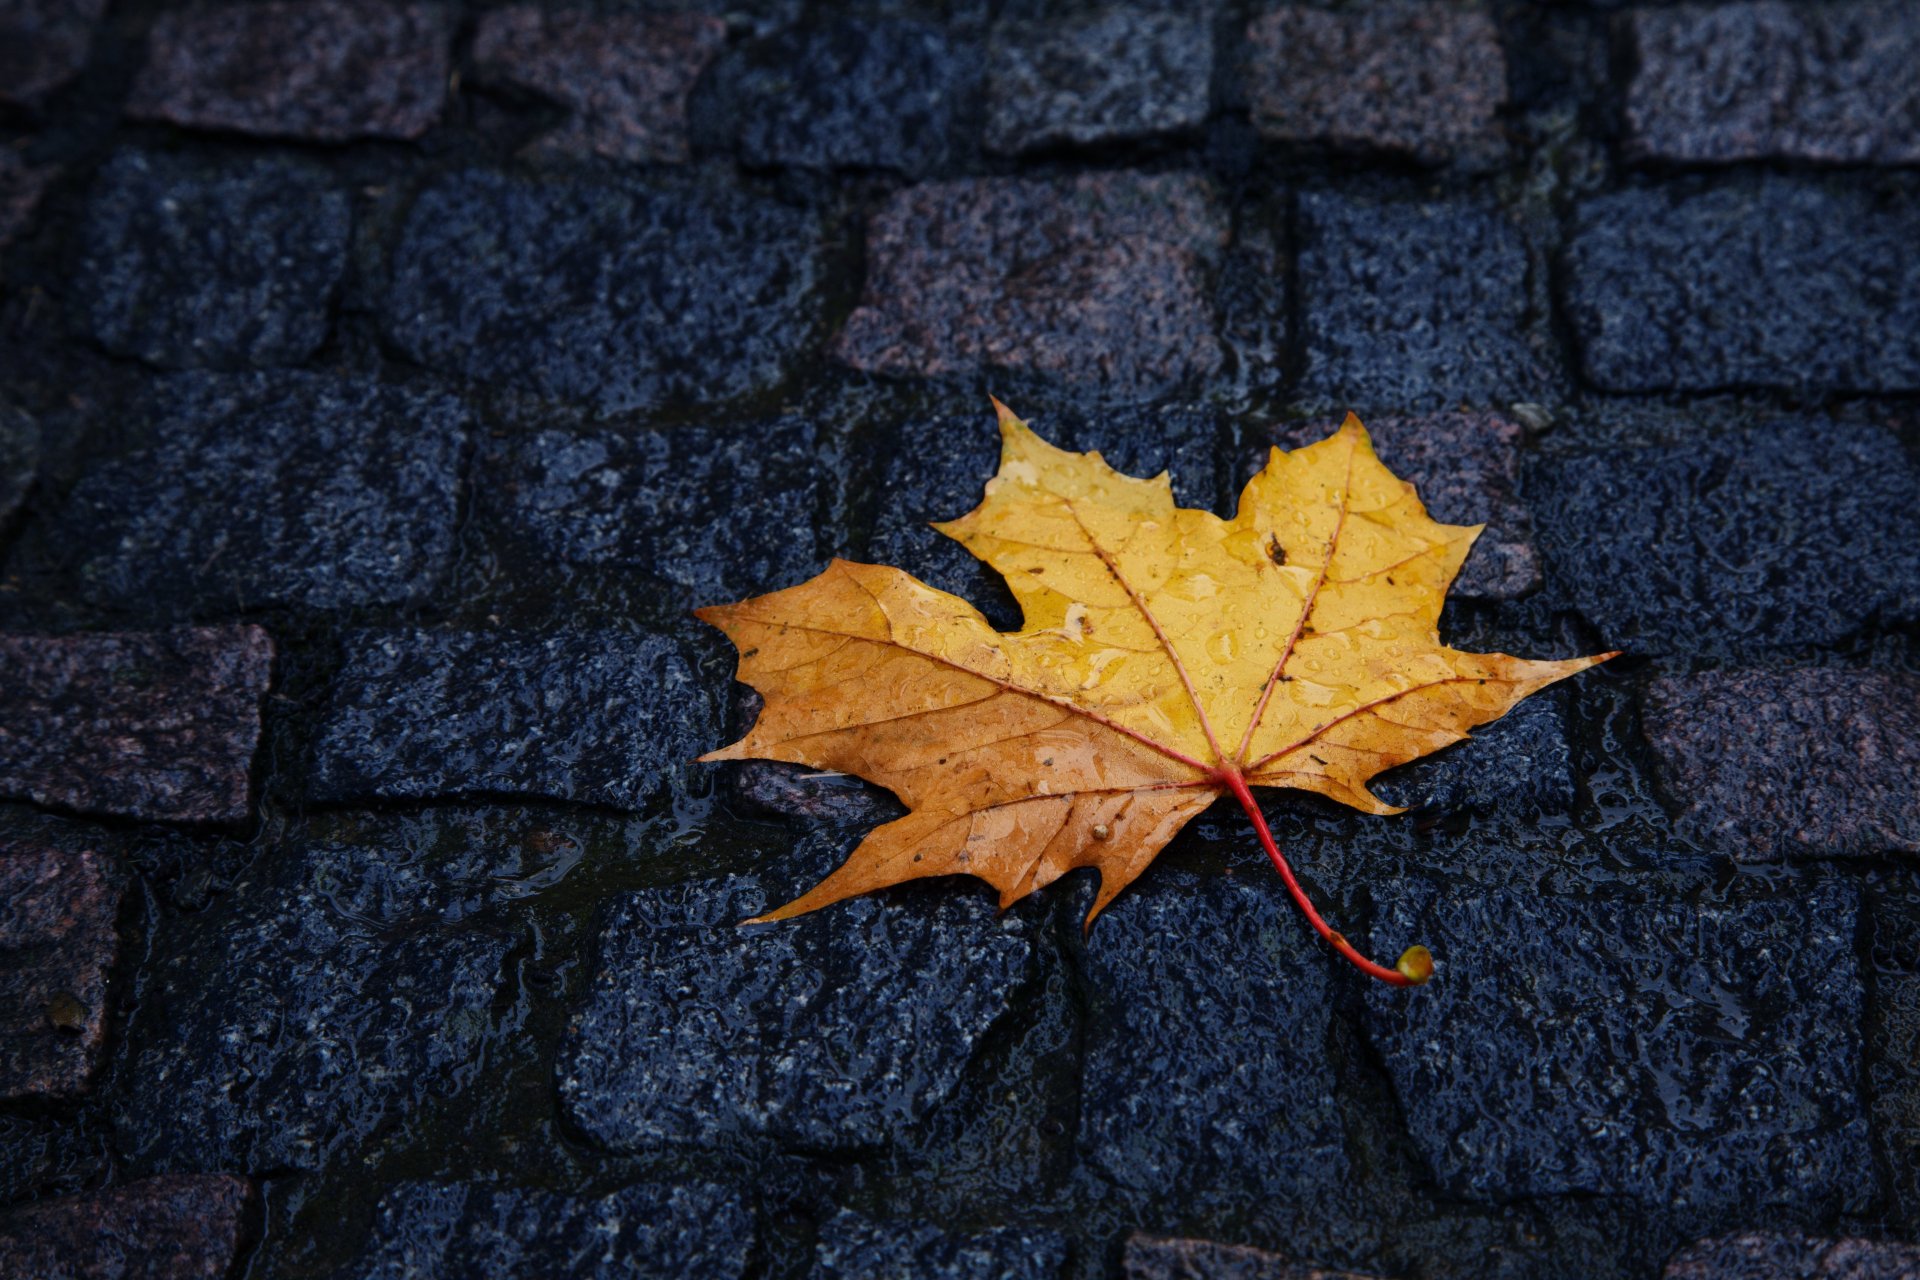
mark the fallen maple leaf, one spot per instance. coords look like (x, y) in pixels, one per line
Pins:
(1169, 657)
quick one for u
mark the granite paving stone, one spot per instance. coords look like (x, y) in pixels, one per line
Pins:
(1705, 1057)
(1797, 763)
(592, 716)
(1194, 1094)
(1174, 1258)
(19, 459)
(21, 186)
(59, 941)
(1415, 304)
(188, 264)
(1758, 1256)
(1099, 280)
(1426, 81)
(1524, 757)
(182, 1227)
(316, 70)
(1114, 75)
(618, 294)
(1830, 84)
(43, 45)
(831, 1032)
(1796, 531)
(306, 1015)
(623, 78)
(852, 1247)
(454, 1230)
(849, 93)
(1777, 282)
(157, 725)
(271, 489)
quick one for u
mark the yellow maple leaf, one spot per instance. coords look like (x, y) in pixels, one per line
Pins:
(1168, 657)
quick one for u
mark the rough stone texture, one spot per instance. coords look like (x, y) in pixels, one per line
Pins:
(854, 1248)
(598, 717)
(1810, 763)
(454, 1230)
(43, 45)
(1780, 282)
(58, 942)
(674, 505)
(1601, 1047)
(192, 266)
(1409, 305)
(1193, 1095)
(848, 93)
(1827, 83)
(624, 77)
(318, 70)
(620, 295)
(1099, 280)
(272, 489)
(1467, 469)
(831, 1032)
(1426, 81)
(183, 1227)
(157, 725)
(1524, 757)
(309, 1012)
(1170, 1258)
(1793, 1257)
(19, 459)
(1112, 76)
(21, 186)
(1795, 532)
(795, 791)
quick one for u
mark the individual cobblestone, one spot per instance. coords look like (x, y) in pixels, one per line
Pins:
(597, 717)
(453, 1230)
(1171, 1258)
(1415, 305)
(271, 489)
(189, 265)
(1792, 532)
(810, 1032)
(1525, 757)
(616, 294)
(624, 78)
(1115, 75)
(1427, 81)
(1596, 1046)
(1755, 1256)
(1807, 763)
(19, 459)
(1779, 282)
(317, 70)
(184, 1227)
(1772, 81)
(43, 45)
(855, 1248)
(156, 725)
(59, 941)
(1099, 280)
(849, 93)
(21, 186)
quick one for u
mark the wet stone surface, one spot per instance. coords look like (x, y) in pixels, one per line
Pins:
(1597, 1046)
(168, 1228)
(1114, 75)
(43, 45)
(289, 489)
(1524, 757)
(1172, 1258)
(848, 93)
(855, 1248)
(1791, 764)
(1426, 81)
(452, 1230)
(831, 1032)
(58, 943)
(593, 716)
(317, 70)
(159, 725)
(19, 459)
(394, 1012)
(21, 186)
(1780, 282)
(623, 78)
(1099, 281)
(1793, 1257)
(1774, 81)
(1415, 304)
(1794, 532)
(616, 294)
(191, 265)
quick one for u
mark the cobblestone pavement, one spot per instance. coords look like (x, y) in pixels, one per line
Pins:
(382, 383)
